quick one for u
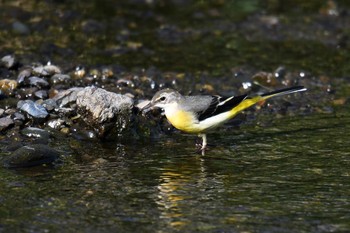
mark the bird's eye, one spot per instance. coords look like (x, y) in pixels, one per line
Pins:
(162, 98)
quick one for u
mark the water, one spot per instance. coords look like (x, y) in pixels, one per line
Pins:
(290, 177)
(284, 174)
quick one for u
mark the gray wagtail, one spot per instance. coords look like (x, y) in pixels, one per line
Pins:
(201, 114)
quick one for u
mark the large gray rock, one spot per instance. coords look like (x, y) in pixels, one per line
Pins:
(103, 110)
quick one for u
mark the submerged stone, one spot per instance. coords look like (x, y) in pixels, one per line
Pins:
(34, 132)
(29, 156)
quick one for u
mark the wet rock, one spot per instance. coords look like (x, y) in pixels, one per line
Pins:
(49, 104)
(42, 94)
(47, 70)
(79, 72)
(2, 111)
(23, 75)
(60, 79)
(29, 156)
(103, 110)
(8, 61)
(5, 123)
(32, 108)
(38, 82)
(18, 117)
(66, 97)
(34, 132)
(56, 123)
(8, 85)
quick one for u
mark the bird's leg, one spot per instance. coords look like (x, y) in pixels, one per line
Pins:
(204, 143)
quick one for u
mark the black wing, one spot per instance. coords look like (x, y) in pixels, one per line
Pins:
(219, 105)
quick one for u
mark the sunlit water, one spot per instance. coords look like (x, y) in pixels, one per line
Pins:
(290, 177)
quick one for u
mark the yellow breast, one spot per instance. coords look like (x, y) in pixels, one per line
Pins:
(183, 120)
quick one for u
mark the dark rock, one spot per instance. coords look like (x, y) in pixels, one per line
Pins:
(33, 132)
(103, 110)
(5, 122)
(32, 155)
(20, 28)
(32, 108)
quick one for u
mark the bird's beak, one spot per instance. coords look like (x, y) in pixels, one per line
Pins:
(146, 106)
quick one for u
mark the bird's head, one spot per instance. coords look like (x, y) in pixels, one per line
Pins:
(164, 98)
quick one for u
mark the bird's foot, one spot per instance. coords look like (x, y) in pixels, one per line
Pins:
(201, 149)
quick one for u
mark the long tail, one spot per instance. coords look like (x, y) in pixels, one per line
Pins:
(285, 91)
(248, 102)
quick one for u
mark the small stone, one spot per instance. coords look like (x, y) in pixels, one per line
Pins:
(55, 123)
(23, 75)
(5, 123)
(60, 79)
(42, 94)
(33, 109)
(38, 82)
(49, 104)
(29, 156)
(8, 61)
(18, 117)
(7, 85)
(47, 70)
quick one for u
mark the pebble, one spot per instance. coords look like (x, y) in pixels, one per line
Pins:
(8, 85)
(38, 82)
(41, 94)
(32, 108)
(25, 73)
(29, 156)
(5, 123)
(47, 70)
(8, 61)
(49, 104)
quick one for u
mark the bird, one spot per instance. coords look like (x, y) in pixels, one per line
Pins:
(201, 114)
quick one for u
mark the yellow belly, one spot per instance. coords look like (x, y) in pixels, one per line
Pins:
(184, 121)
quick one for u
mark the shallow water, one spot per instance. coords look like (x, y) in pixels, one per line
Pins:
(290, 177)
